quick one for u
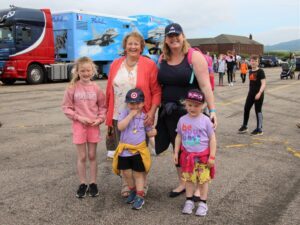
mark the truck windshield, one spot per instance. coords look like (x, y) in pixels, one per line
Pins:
(6, 34)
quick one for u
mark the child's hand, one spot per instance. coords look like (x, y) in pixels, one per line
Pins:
(84, 120)
(133, 112)
(96, 122)
(210, 163)
(175, 157)
(257, 96)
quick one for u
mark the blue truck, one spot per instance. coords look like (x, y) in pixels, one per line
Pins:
(37, 45)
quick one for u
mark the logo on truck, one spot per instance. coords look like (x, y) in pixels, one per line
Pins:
(8, 15)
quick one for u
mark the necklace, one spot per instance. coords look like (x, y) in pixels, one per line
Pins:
(136, 125)
(132, 64)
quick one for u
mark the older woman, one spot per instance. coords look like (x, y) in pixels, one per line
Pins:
(130, 71)
(175, 77)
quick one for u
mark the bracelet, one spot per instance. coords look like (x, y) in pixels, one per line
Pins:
(212, 157)
(212, 110)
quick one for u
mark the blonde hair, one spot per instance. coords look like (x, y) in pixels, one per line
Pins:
(78, 62)
(167, 51)
(136, 35)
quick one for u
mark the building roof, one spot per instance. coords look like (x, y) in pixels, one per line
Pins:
(223, 39)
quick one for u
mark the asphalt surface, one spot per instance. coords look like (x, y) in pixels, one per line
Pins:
(257, 181)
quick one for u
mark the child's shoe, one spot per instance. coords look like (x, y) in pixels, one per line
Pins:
(138, 202)
(243, 129)
(257, 132)
(93, 190)
(202, 209)
(188, 207)
(131, 197)
(82, 190)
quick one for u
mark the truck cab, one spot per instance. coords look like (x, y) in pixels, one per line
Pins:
(26, 44)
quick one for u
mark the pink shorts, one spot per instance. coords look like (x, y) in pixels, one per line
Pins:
(83, 133)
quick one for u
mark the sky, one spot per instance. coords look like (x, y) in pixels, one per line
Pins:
(269, 21)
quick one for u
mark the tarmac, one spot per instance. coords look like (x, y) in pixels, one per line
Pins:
(257, 179)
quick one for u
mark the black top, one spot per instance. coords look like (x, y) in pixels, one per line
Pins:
(230, 64)
(255, 78)
(175, 80)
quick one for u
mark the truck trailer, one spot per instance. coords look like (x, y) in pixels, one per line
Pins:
(38, 46)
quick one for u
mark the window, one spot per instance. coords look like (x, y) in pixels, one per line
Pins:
(23, 34)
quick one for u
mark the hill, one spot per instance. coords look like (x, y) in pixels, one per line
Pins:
(293, 45)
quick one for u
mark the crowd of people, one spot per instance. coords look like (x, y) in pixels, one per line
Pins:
(179, 88)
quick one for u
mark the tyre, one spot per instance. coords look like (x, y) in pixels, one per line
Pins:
(262, 65)
(35, 74)
(8, 81)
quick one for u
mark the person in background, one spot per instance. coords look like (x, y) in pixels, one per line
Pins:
(221, 68)
(230, 66)
(255, 96)
(244, 70)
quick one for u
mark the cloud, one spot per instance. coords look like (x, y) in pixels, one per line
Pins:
(198, 18)
(277, 35)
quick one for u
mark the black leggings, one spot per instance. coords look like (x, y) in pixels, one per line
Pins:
(258, 109)
(229, 75)
(243, 76)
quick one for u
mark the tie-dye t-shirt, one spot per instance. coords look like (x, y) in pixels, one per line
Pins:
(195, 132)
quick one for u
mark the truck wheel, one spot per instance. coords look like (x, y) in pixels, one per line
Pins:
(35, 74)
(8, 81)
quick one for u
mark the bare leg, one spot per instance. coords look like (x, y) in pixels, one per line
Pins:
(203, 191)
(93, 161)
(190, 188)
(197, 190)
(181, 182)
(128, 177)
(139, 180)
(81, 162)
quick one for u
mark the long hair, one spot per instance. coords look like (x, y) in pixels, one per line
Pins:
(78, 62)
(136, 35)
(167, 51)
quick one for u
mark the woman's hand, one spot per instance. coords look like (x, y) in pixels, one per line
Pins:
(213, 118)
(149, 119)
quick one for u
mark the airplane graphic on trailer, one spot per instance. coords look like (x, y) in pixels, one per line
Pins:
(103, 39)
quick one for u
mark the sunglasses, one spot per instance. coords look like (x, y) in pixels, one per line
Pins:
(173, 35)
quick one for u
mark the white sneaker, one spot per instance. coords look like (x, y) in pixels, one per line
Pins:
(188, 207)
(110, 154)
(202, 209)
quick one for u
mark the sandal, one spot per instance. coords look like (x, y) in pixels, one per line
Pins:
(125, 191)
(146, 188)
